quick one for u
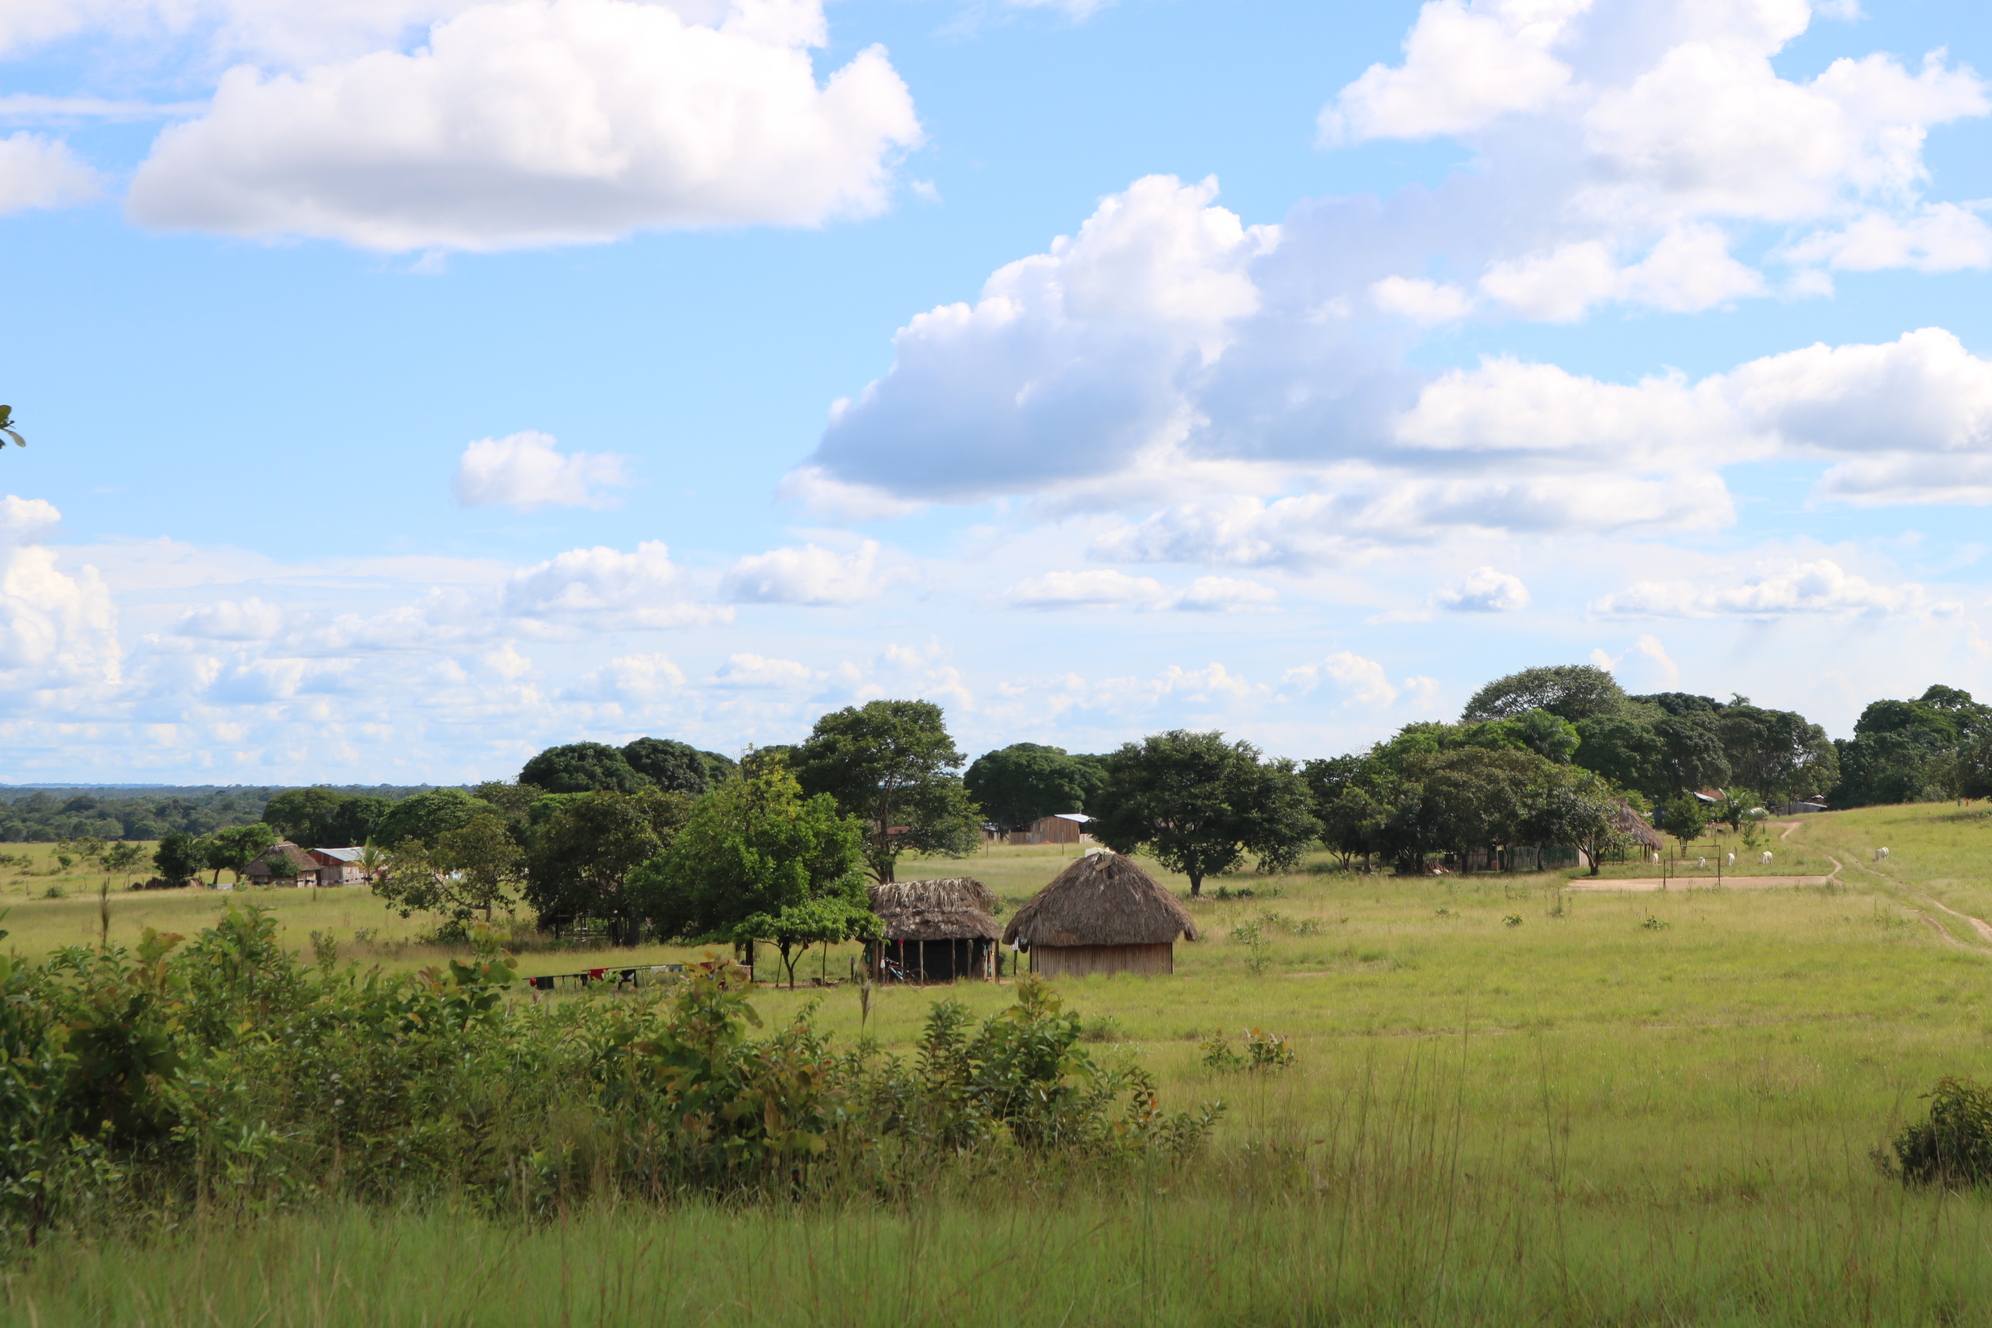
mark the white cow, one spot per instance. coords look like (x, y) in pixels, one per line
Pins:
(1730, 861)
(1702, 863)
(1655, 857)
(1880, 853)
(1766, 859)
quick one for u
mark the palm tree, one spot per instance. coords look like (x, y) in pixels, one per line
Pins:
(6, 427)
(374, 861)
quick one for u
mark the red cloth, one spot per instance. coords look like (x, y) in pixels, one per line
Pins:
(595, 974)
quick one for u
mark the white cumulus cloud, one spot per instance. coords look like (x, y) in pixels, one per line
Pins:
(810, 575)
(1818, 587)
(538, 122)
(527, 471)
(604, 588)
(1486, 591)
(41, 172)
(1361, 680)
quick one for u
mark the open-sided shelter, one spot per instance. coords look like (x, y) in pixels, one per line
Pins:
(935, 931)
(1103, 914)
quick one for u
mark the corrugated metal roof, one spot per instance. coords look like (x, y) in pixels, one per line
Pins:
(342, 854)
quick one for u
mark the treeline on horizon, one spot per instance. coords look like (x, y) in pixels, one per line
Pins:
(1651, 748)
(31, 814)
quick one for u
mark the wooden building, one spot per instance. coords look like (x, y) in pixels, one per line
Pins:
(1103, 914)
(1061, 828)
(935, 931)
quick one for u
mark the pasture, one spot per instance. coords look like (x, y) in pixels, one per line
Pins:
(1514, 1102)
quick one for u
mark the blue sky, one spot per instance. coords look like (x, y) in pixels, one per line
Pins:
(412, 384)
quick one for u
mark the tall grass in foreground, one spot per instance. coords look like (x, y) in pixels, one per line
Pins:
(1375, 1217)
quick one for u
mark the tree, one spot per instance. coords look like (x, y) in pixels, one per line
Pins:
(7, 427)
(583, 855)
(1473, 798)
(1685, 818)
(1200, 804)
(1624, 751)
(1975, 771)
(1575, 807)
(582, 767)
(671, 764)
(754, 846)
(235, 848)
(515, 800)
(1569, 691)
(891, 765)
(325, 818)
(1028, 781)
(1776, 753)
(122, 857)
(799, 926)
(427, 816)
(179, 857)
(1690, 753)
(473, 869)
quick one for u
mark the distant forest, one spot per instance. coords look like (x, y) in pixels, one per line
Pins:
(44, 815)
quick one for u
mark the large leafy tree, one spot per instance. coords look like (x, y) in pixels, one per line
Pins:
(1691, 755)
(475, 868)
(1028, 781)
(752, 848)
(1904, 751)
(1623, 750)
(1778, 753)
(1201, 804)
(7, 427)
(1576, 807)
(427, 816)
(326, 818)
(891, 765)
(679, 766)
(582, 857)
(1569, 691)
(235, 848)
(583, 767)
(179, 857)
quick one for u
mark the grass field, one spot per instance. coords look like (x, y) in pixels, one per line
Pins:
(1513, 1104)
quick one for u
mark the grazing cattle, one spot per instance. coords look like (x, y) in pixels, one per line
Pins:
(1766, 859)
(1655, 857)
(1701, 862)
(1730, 861)
(1880, 853)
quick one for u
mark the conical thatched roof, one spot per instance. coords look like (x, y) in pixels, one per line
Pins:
(1102, 899)
(944, 910)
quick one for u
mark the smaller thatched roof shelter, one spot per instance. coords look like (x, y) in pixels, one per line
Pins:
(1634, 826)
(935, 931)
(1103, 914)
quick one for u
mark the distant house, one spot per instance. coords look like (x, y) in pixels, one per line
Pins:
(1062, 828)
(338, 866)
(264, 871)
(313, 866)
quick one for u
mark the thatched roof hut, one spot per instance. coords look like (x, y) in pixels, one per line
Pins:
(1634, 827)
(935, 931)
(1103, 914)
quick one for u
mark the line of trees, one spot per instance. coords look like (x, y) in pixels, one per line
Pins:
(659, 838)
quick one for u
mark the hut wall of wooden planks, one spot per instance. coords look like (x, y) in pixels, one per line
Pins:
(1102, 914)
(1158, 960)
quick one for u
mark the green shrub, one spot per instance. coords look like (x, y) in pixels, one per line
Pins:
(225, 1073)
(1954, 1146)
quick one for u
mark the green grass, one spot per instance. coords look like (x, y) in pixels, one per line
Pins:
(1629, 1108)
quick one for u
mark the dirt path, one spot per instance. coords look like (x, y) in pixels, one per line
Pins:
(1642, 883)
(1979, 926)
